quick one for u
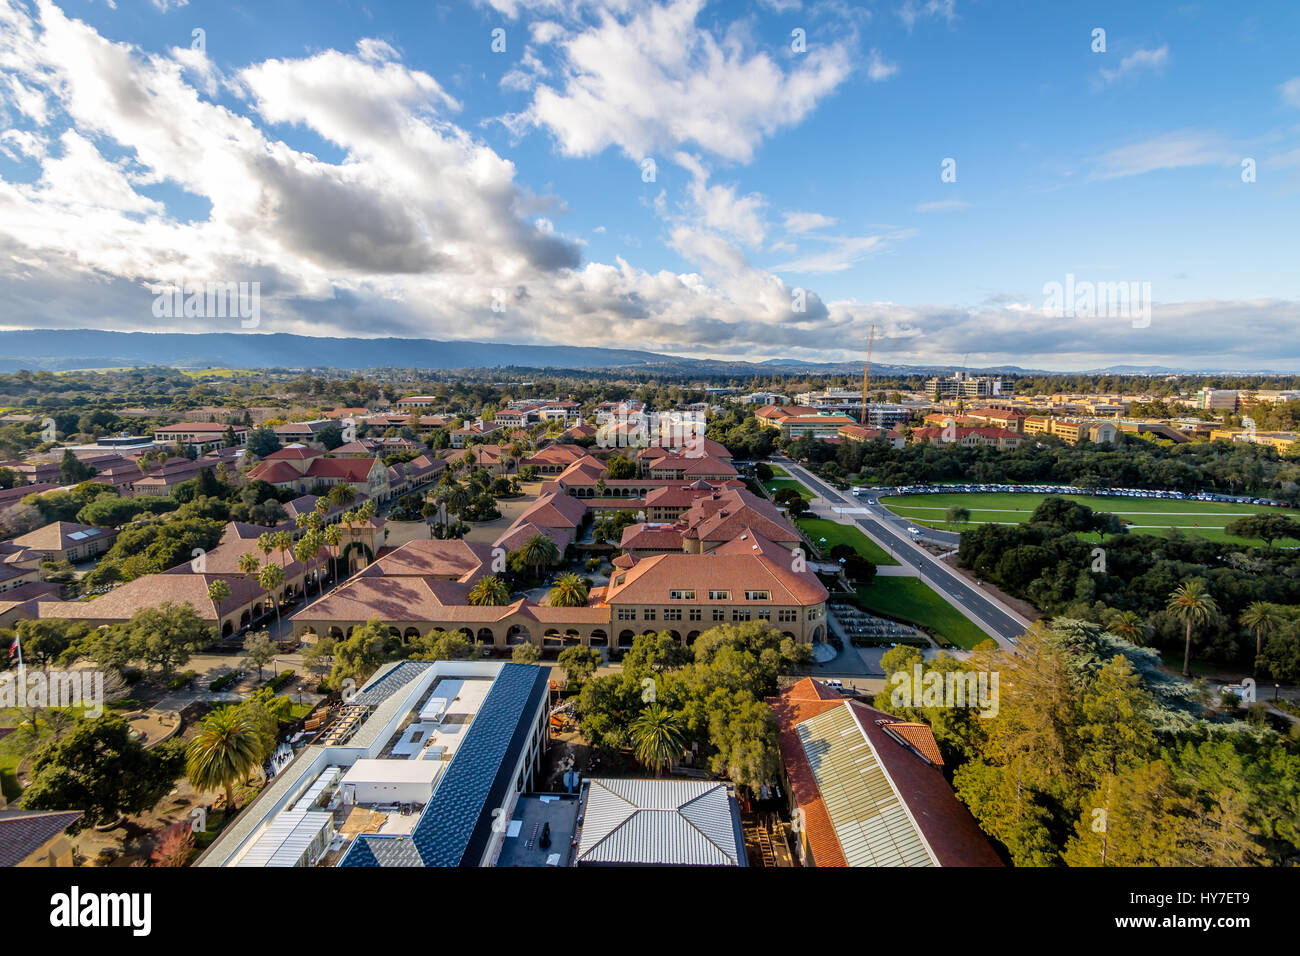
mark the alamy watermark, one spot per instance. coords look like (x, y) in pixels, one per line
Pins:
(922, 688)
(39, 689)
(210, 300)
(1098, 300)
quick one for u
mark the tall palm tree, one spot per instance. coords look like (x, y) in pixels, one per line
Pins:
(657, 738)
(1194, 605)
(266, 543)
(218, 592)
(283, 544)
(230, 743)
(489, 591)
(1262, 619)
(570, 590)
(1130, 626)
(305, 552)
(271, 577)
(458, 500)
(538, 552)
(334, 538)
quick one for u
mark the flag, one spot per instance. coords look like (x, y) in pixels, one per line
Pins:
(13, 648)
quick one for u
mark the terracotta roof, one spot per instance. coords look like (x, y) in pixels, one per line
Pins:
(455, 560)
(61, 535)
(294, 453)
(151, 590)
(650, 580)
(555, 511)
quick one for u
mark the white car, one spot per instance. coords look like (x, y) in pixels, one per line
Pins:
(911, 530)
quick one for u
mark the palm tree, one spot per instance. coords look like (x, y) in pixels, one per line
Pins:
(218, 591)
(1262, 619)
(489, 591)
(305, 552)
(1194, 605)
(266, 543)
(283, 544)
(271, 577)
(657, 738)
(539, 551)
(334, 538)
(1130, 626)
(230, 743)
(458, 500)
(570, 590)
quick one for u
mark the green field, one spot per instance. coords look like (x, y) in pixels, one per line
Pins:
(776, 484)
(818, 528)
(778, 471)
(1142, 515)
(912, 601)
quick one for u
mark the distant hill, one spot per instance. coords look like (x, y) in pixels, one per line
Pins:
(63, 349)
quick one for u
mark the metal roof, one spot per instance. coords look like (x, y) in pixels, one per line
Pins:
(394, 679)
(456, 823)
(667, 822)
(871, 822)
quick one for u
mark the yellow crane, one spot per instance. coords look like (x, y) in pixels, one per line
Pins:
(866, 375)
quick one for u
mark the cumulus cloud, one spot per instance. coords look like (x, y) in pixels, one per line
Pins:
(657, 80)
(1139, 60)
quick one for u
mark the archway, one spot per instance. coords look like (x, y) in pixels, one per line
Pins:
(485, 636)
(690, 638)
(518, 634)
(227, 629)
(572, 637)
(625, 638)
(336, 633)
(409, 633)
(599, 638)
(552, 638)
(245, 619)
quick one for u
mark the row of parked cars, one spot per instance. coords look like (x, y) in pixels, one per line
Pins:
(1070, 490)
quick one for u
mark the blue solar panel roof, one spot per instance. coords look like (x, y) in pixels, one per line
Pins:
(457, 822)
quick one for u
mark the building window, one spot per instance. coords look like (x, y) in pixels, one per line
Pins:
(672, 614)
(694, 614)
(719, 614)
(681, 595)
(627, 614)
(786, 616)
(649, 614)
(719, 595)
(764, 614)
(740, 614)
(758, 596)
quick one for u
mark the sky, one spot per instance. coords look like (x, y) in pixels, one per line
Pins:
(733, 180)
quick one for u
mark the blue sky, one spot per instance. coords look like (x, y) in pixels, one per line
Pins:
(381, 170)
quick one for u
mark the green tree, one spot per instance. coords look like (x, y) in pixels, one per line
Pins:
(525, 654)
(270, 577)
(230, 743)
(569, 590)
(489, 591)
(657, 738)
(1192, 603)
(1262, 619)
(538, 552)
(99, 768)
(259, 650)
(579, 663)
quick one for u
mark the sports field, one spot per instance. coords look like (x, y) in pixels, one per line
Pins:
(1141, 515)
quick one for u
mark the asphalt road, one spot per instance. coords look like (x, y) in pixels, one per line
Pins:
(891, 531)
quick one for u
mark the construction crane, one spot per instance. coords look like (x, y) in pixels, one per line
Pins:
(866, 375)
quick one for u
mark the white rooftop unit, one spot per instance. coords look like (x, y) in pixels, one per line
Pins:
(292, 838)
(391, 781)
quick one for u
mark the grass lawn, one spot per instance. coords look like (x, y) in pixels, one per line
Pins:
(1143, 515)
(834, 533)
(776, 484)
(912, 601)
(778, 471)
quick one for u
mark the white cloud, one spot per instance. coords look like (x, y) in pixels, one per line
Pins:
(913, 10)
(658, 81)
(798, 222)
(942, 205)
(1189, 147)
(1138, 60)
(878, 69)
(1290, 91)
